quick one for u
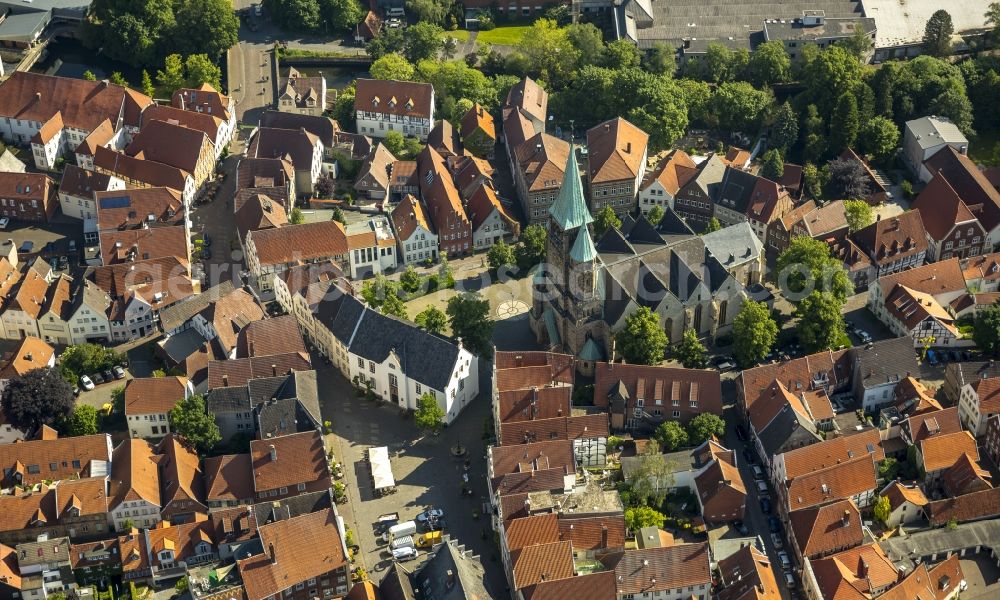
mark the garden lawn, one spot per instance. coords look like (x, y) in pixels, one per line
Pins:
(981, 148)
(461, 35)
(509, 35)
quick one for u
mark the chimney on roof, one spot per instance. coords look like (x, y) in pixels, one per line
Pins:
(270, 550)
(274, 370)
(604, 536)
(225, 381)
(846, 520)
(449, 579)
(628, 148)
(274, 452)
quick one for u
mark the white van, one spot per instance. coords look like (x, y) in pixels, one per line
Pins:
(408, 553)
(405, 528)
(401, 542)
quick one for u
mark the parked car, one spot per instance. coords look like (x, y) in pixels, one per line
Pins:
(789, 580)
(748, 455)
(108, 375)
(404, 554)
(773, 524)
(429, 539)
(758, 473)
(863, 336)
(206, 254)
(97, 378)
(786, 563)
(765, 505)
(76, 390)
(741, 433)
(776, 540)
(4, 222)
(87, 383)
(205, 240)
(433, 513)
(723, 363)
(761, 486)
(741, 527)
(932, 358)
(119, 372)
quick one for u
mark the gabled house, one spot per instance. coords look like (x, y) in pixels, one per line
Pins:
(270, 252)
(206, 99)
(134, 486)
(289, 465)
(906, 503)
(892, 245)
(26, 301)
(531, 101)
(973, 187)
(304, 149)
(912, 303)
(228, 481)
(301, 94)
(739, 250)
(982, 273)
(148, 402)
(938, 453)
(439, 194)
(384, 106)
(29, 197)
(925, 137)
(479, 135)
(140, 290)
(978, 403)
(416, 240)
(660, 186)
(491, 222)
(877, 369)
(642, 397)
(823, 530)
(616, 165)
(164, 551)
(31, 353)
(538, 164)
(182, 486)
(374, 178)
(214, 126)
(178, 146)
(77, 188)
(371, 247)
(445, 140)
(138, 172)
(952, 229)
(274, 177)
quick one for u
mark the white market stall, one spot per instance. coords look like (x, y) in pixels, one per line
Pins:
(382, 479)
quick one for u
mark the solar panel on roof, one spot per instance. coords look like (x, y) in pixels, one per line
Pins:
(116, 202)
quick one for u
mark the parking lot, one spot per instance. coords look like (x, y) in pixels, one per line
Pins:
(427, 473)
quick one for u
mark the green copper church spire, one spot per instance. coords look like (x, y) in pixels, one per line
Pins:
(583, 248)
(570, 209)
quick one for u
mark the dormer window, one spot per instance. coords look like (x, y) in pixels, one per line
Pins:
(409, 104)
(392, 102)
(375, 101)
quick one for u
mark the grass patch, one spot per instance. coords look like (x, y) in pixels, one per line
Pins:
(299, 52)
(981, 148)
(461, 35)
(503, 35)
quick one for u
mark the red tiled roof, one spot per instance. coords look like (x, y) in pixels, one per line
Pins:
(843, 480)
(297, 458)
(659, 569)
(297, 243)
(593, 533)
(829, 528)
(228, 478)
(529, 531)
(969, 507)
(941, 451)
(616, 151)
(542, 562)
(402, 98)
(153, 395)
(828, 453)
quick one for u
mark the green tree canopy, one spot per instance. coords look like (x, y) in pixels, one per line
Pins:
(82, 421)
(84, 359)
(655, 214)
(785, 129)
(879, 138)
(470, 319)
(754, 333)
(671, 436)
(859, 214)
(705, 426)
(882, 509)
(712, 225)
(986, 329)
(429, 413)
(769, 64)
(653, 477)
(295, 15)
(772, 165)
(844, 124)
(422, 41)
(393, 305)
(820, 323)
(642, 341)
(643, 516)
(341, 15)
(937, 34)
(392, 66)
(833, 72)
(606, 219)
(499, 256)
(208, 27)
(546, 52)
(808, 265)
(190, 420)
(690, 351)
(532, 248)
(993, 18)
(39, 397)
(432, 319)
(740, 106)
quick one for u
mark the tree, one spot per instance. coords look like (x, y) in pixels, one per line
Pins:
(712, 225)
(89, 75)
(136, 33)
(769, 64)
(588, 41)
(858, 214)
(545, 51)
(690, 351)
(296, 218)
(200, 69)
(653, 477)
(661, 59)
(705, 426)
(937, 34)
(39, 397)
(301, 15)
(772, 165)
(432, 320)
(393, 306)
(341, 15)
(821, 325)
(190, 420)
(606, 219)
(741, 106)
(993, 18)
(431, 11)
(389, 40)
(889, 468)
(643, 516)
(393, 142)
(655, 214)
(172, 75)
(859, 44)
(848, 179)
(622, 54)
(531, 250)
(844, 124)
(338, 215)
(882, 510)
(208, 27)
(146, 87)
(671, 436)
(118, 79)
(642, 340)
(754, 333)
(428, 414)
(986, 329)
(813, 180)
(878, 138)
(82, 359)
(469, 317)
(833, 72)
(410, 280)
(423, 41)
(785, 129)
(82, 421)
(392, 66)
(807, 265)
(181, 587)
(500, 255)
(325, 187)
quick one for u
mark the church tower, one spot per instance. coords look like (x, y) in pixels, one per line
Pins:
(567, 215)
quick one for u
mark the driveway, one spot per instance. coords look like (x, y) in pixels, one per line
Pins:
(426, 473)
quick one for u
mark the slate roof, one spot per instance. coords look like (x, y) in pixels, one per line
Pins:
(287, 508)
(885, 361)
(424, 357)
(181, 312)
(734, 245)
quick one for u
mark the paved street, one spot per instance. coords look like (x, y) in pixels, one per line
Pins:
(249, 70)
(426, 473)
